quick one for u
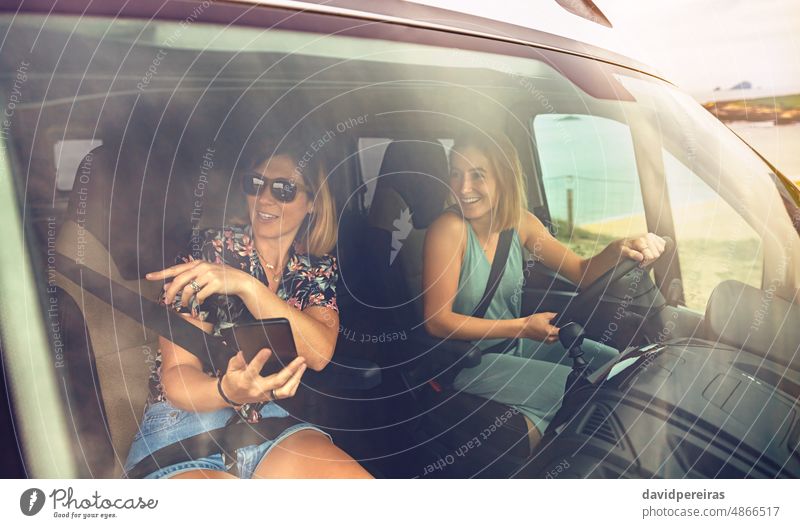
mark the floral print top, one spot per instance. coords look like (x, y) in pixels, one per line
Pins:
(306, 281)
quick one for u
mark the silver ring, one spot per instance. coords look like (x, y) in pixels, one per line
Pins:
(196, 287)
(272, 395)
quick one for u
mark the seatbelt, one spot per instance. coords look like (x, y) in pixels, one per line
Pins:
(496, 273)
(495, 276)
(497, 269)
(225, 440)
(214, 352)
(211, 350)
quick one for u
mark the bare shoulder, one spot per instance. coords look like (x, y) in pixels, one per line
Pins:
(449, 228)
(531, 227)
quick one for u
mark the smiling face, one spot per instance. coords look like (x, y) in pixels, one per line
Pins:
(270, 217)
(473, 182)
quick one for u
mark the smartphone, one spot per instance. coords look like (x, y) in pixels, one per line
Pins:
(274, 333)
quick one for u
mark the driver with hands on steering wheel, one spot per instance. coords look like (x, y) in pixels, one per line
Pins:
(488, 196)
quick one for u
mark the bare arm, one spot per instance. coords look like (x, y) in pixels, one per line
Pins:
(185, 384)
(444, 249)
(187, 387)
(315, 329)
(582, 272)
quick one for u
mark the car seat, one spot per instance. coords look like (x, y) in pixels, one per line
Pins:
(409, 196)
(109, 356)
(113, 211)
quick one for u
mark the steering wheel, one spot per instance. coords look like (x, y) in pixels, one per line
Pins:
(590, 296)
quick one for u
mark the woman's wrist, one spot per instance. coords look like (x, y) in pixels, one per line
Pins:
(518, 327)
(247, 286)
(224, 394)
(253, 294)
(259, 298)
(591, 268)
(190, 389)
(615, 247)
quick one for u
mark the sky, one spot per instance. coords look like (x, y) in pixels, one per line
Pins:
(700, 45)
(697, 44)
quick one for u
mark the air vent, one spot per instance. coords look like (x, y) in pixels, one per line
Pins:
(599, 426)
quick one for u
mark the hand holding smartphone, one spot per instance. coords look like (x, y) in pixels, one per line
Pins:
(274, 333)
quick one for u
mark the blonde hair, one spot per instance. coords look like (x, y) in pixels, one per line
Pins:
(317, 232)
(512, 201)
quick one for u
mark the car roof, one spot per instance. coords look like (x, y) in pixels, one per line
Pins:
(426, 16)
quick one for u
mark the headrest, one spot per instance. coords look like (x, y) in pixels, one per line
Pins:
(755, 320)
(417, 170)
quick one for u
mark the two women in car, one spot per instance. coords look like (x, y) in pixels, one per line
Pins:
(279, 265)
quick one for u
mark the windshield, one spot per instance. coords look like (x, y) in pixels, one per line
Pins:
(122, 140)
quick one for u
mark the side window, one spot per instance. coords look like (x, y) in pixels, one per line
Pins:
(590, 180)
(714, 242)
(68, 154)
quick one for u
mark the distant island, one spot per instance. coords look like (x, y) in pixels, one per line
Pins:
(744, 85)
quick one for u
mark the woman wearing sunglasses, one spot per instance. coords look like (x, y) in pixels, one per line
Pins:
(277, 265)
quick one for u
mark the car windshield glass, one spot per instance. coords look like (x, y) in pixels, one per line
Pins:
(122, 144)
(601, 164)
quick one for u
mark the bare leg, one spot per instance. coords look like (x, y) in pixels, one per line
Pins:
(308, 454)
(534, 436)
(203, 473)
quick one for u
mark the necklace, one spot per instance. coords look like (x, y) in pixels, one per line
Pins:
(276, 273)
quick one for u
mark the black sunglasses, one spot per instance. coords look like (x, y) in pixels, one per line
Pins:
(282, 189)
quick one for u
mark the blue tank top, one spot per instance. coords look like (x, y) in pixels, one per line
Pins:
(507, 300)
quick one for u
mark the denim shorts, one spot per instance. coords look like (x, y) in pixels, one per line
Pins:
(163, 424)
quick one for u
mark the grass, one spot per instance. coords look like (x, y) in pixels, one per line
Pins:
(584, 242)
(705, 262)
(781, 110)
(785, 102)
